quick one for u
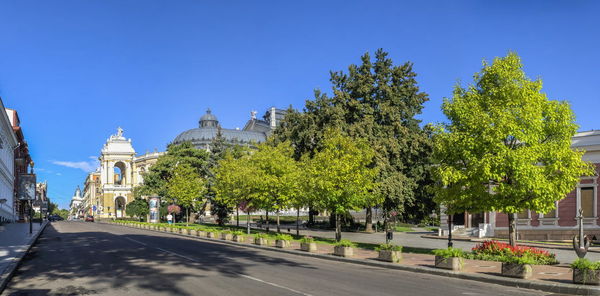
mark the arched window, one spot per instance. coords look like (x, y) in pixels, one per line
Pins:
(120, 173)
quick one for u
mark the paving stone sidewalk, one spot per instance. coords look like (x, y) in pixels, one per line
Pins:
(15, 241)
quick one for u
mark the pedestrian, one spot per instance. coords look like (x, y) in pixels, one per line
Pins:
(170, 218)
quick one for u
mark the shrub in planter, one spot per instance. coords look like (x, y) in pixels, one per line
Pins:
(283, 240)
(212, 233)
(586, 272)
(450, 258)
(497, 251)
(344, 248)
(226, 235)
(238, 236)
(308, 244)
(389, 252)
(518, 267)
(261, 239)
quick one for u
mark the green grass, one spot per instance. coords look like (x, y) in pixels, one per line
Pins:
(432, 228)
(403, 229)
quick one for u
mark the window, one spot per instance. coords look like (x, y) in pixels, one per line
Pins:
(523, 215)
(587, 201)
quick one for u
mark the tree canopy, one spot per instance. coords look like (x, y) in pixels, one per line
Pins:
(377, 102)
(340, 176)
(507, 147)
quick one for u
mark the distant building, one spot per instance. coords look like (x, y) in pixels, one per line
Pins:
(255, 131)
(8, 143)
(76, 210)
(108, 190)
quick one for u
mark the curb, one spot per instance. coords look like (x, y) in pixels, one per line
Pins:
(7, 274)
(559, 288)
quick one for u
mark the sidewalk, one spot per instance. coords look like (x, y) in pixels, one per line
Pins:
(15, 241)
(414, 239)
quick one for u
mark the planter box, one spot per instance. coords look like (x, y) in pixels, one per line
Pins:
(343, 251)
(282, 243)
(308, 247)
(390, 256)
(201, 233)
(260, 241)
(193, 232)
(452, 263)
(211, 235)
(586, 277)
(515, 270)
(226, 236)
(239, 238)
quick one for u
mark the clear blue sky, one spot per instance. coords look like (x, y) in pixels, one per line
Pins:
(76, 70)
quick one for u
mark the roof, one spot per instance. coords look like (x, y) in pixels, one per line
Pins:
(230, 135)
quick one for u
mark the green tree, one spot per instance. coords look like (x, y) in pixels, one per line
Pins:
(378, 102)
(186, 187)
(138, 208)
(340, 176)
(156, 178)
(507, 146)
(233, 177)
(275, 185)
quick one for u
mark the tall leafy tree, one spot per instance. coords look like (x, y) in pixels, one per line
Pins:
(378, 102)
(186, 187)
(507, 147)
(156, 178)
(233, 176)
(340, 175)
(137, 208)
(276, 183)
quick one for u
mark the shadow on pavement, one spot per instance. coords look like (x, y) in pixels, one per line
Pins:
(117, 261)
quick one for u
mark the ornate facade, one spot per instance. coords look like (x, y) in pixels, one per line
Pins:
(255, 131)
(108, 190)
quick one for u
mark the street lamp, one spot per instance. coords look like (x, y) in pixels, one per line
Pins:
(450, 217)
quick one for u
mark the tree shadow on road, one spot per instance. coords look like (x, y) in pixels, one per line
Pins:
(152, 262)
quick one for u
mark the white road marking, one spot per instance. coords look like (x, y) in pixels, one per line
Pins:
(136, 241)
(178, 255)
(274, 285)
(242, 275)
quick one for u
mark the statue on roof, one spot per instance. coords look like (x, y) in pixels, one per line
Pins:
(119, 132)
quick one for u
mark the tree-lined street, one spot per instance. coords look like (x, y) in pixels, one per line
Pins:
(99, 259)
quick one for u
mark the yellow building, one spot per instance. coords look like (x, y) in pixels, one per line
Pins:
(108, 190)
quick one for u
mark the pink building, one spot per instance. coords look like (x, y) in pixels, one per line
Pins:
(559, 224)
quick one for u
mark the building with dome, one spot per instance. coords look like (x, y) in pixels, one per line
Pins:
(75, 206)
(255, 131)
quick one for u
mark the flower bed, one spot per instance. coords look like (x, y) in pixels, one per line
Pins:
(503, 252)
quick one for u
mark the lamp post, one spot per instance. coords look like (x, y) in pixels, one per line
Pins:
(450, 217)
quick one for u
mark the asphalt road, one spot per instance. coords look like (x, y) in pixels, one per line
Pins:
(78, 258)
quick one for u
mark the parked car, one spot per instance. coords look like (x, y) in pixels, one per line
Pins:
(89, 219)
(55, 218)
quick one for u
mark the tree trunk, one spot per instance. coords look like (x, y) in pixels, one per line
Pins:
(248, 222)
(187, 221)
(278, 228)
(237, 216)
(267, 215)
(369, 220)
(338, 227)
(298, 222)
(512, 230)
(311, 216)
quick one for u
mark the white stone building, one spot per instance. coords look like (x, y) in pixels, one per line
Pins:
(8, 143)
